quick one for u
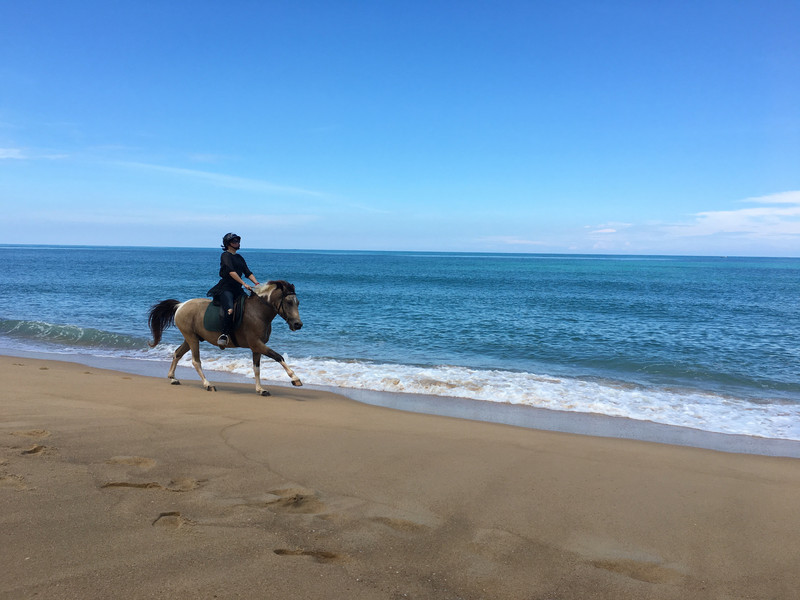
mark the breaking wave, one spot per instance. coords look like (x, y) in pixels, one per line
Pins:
(69, 335)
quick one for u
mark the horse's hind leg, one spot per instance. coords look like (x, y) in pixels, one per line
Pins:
(257, 373)
(194, 346)
(176, 356)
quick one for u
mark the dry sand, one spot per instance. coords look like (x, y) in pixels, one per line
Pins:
(116, 485)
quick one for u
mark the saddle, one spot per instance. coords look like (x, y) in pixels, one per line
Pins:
(212, 319)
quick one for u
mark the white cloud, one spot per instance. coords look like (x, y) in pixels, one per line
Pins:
(11, 153)
(780, 198)
(781, 219)
(228, 181)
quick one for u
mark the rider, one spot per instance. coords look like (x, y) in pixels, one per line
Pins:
(231, 268)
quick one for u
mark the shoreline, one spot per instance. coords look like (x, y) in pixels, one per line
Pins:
(528, 417)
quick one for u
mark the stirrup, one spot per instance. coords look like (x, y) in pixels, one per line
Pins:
(223, 340)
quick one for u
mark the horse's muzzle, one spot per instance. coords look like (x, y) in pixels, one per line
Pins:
(295, 325)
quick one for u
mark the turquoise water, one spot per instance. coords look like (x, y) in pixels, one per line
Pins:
(710, 343)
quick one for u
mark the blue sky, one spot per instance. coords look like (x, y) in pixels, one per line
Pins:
(599, 127)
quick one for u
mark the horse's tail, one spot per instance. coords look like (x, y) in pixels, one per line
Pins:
(162, 315)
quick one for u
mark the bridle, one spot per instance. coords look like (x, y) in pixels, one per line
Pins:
(280, 306)
(268, 300)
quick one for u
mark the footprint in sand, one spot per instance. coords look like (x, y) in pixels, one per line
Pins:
(640, 570)
(183, 484)
(607, 554)
(318, 555)
(296, 500)
(400, 524)
(37, 449)
(146, 485)
(133, 461)
(13, 482)
(171, 520)
(32, 433)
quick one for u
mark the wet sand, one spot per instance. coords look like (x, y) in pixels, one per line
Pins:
(119, 485)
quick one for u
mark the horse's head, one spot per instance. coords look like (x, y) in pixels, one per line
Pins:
(281, 296)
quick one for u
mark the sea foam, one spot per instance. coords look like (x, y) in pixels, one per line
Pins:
(667, 405)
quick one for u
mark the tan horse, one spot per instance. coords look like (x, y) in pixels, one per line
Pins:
(269, 299)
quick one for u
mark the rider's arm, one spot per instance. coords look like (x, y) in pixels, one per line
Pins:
(247, 273)
(235, 276)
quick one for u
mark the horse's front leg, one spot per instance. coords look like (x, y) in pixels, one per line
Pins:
(257, 374)
(176, 356)
(262, 348)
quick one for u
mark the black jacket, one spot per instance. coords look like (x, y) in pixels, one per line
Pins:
(230, 262)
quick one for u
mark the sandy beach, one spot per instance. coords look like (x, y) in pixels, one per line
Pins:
(119, 485)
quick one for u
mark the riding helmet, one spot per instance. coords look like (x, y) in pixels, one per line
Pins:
(228, 238)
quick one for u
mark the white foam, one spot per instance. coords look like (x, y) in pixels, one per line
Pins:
(670, 406)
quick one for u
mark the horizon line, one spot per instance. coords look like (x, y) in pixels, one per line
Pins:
(409, 251)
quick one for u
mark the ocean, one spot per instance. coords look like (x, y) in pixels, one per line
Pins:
(709, 343)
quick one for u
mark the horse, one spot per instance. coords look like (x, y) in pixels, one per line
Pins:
(260, 308)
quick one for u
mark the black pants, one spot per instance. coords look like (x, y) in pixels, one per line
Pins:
(227, 299)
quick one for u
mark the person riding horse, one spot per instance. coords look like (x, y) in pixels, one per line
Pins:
(232, 267)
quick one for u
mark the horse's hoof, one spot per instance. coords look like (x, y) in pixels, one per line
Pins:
(174, 382)
(264, 393)
(211, 388)
(297, 383)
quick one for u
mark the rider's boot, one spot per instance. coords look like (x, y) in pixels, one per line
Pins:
(227, 329)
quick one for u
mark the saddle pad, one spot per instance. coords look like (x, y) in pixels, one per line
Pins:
(212, 319)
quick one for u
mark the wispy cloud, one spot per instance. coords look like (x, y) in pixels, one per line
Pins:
(15, 153)
(780, 198)
(206, 158)
(20, 154)
(763, 225)
(608, 228)
(228, 181)
(95, 217)
(510, 241)
(777, 216)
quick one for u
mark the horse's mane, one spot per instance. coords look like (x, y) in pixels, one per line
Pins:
(265, 290)
(284, 286)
